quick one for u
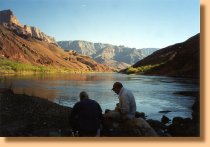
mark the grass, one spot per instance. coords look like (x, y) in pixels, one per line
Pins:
(15, 67)
(141, 69)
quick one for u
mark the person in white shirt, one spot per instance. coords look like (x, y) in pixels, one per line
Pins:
(127, 103)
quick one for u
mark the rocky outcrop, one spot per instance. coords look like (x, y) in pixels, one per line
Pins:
(36, 33)
(187, 126)
(135, 127)
(6, 16)
(8, 19)
(118, 57)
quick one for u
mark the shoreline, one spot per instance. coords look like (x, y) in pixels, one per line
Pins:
(28, 116)
(53, 72)
(23, 115)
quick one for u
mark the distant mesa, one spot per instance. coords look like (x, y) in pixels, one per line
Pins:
(119, 57)
(8, 19)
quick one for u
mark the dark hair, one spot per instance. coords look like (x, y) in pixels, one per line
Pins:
(117, 84)
(83, 95)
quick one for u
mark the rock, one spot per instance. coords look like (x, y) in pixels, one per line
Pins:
(6, 90)
(165, 111)
(126, 127)
(165, 119)
(159, 127)
(180, 60)
(143, 127)
(140, 114)
(177, 120)
(10, 21)
(23, 115)
(196, 111)
(6, 16)
(107, 111)
(14, 47)
(183, 127)
(118, 57)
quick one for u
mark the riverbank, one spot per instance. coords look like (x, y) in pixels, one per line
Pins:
(22, 115)
(9, 67)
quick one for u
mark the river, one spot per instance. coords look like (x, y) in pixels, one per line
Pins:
(152, 93)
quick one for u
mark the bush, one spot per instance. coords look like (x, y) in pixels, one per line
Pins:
(141, 69)
(15, 67)
(8, 66)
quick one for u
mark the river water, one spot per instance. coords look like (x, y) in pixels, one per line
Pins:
(152, 93)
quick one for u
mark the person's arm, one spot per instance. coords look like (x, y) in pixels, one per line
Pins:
(100, 113)
(124, 104)
(73, 117)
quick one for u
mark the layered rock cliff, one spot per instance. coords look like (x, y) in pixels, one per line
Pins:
(8, 19)
(119, 57)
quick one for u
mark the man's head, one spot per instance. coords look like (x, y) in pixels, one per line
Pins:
(117, 87)
(83, 95)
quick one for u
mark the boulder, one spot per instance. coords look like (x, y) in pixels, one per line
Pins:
(135, 127)
(159, 127)
(140, 114)
(165, 119)
(143, 127)
(183, 127)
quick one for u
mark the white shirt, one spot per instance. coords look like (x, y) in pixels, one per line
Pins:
(127, 103)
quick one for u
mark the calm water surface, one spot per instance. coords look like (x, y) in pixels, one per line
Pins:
(152, 93)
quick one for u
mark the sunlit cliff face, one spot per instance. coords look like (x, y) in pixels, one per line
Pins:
(6, 16)
(8, 19)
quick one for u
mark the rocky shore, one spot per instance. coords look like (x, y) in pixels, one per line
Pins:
(22, 115)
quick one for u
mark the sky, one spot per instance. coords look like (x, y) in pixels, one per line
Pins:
(132, 23)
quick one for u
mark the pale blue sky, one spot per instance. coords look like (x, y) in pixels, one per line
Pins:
(133, 23)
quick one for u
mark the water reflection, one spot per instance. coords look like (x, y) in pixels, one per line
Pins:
(153, 93)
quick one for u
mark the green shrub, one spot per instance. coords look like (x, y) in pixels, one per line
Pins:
(8, 66)
(131, 70)
(15, 67)
(141, 69)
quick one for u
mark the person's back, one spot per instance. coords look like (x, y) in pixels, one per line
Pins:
(128, 103)
(86, 117)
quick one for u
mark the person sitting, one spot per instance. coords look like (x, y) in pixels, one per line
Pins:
(126, 108)
(86, 116)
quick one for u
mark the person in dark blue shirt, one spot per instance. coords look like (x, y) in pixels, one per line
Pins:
(86, 116)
